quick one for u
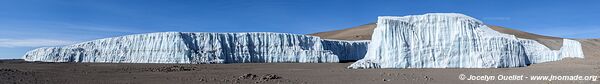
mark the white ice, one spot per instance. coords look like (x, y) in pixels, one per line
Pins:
(451, 40)
(204, 47)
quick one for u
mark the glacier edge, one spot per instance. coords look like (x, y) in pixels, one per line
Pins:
(452, 40)
(204, 48)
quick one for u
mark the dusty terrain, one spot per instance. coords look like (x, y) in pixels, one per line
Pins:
(285, 73)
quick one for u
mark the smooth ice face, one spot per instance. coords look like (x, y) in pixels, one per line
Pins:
(200, 48)
(451, 40)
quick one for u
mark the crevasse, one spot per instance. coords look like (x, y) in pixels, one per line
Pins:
(451, 40)
(203, 47)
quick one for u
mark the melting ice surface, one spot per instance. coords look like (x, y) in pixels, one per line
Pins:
(202, 47)
(450, 40)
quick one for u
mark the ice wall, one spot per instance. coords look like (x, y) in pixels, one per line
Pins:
(200, 48)
(451, 40)
(351, 50)
(539, 53)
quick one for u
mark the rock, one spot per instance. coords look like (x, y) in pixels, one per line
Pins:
(268, 77)
(248, 76)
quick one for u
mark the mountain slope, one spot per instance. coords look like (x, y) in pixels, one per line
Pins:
(591, 48)
(362, 32)
(553, 43)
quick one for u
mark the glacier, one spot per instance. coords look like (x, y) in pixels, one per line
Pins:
(433, 40)
(538, 53)
(205, 48)
(452, 40)
(351, 50)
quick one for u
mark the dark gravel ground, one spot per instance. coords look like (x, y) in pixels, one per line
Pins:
(20, 72)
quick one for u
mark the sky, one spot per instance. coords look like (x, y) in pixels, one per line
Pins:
(30, 24)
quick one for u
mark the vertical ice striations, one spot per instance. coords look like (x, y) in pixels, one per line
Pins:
(571, 48)
(351, 50)
(200, 48)
(436, 40)
(165, 47)
(539, 53)
(450, 40)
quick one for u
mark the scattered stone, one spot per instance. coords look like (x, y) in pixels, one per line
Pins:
(248, 76)
(427, 78)
(15, 76)
(171, 69)
(268, 77)
(263, 78)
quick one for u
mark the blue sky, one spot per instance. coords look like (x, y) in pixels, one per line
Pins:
(29, 24)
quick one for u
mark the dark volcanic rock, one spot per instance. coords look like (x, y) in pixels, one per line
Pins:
(15, 76)
(174, 68)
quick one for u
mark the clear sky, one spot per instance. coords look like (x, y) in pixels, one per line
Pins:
(29, 24)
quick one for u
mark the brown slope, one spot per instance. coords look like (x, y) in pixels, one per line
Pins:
(553, 43)
(362, 32)
(367, 29)
(591, 47)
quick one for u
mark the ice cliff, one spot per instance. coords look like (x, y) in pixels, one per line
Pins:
(450, 40)
(351, 50)
(203, 47)
(435, 40)
(539, 53)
